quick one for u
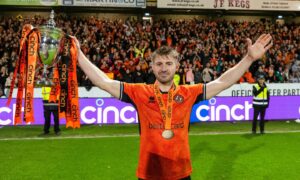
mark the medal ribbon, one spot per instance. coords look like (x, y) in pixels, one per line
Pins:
(165, 110)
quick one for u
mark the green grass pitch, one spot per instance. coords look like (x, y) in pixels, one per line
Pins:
(218, 151)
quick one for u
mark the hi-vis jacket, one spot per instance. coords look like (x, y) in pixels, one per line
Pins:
(261, 96)
(46, 95)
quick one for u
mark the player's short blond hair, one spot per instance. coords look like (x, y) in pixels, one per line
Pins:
(165, 51)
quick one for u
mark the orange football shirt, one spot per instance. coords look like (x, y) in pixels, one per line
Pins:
(160, 158)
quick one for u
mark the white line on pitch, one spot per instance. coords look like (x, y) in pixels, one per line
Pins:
(136, 135)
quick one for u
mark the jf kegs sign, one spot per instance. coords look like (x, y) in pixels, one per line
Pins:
(283, 5)
(31, 2)
(113, 111)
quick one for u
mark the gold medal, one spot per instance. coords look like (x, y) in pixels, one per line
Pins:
(167, 134)
(165, 109)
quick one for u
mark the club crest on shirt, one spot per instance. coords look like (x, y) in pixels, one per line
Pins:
(151, 99)
(178, 98)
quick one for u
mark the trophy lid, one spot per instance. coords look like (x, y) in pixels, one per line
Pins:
(51, 23)
(49, 28)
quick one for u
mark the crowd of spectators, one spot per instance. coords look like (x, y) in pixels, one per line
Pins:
(207, 48)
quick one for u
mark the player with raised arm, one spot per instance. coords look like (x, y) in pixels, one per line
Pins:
(164, 108)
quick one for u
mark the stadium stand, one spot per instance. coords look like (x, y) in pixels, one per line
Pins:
(122, 48)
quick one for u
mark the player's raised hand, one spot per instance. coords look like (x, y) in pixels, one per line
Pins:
(258, 49)
(77, 43)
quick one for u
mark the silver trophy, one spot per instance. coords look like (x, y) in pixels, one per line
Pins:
(50, 38)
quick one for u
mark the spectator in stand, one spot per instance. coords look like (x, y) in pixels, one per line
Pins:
(190, 75)
(138, 75)
(259, 71)
(3, 77)
(286, 74)
(295, 77)
(197, 75)
(8, 82)
(247, 77)
(176, 78)
(150, 77)
(271, 75)
(181, 74)
(207, 73)
(2, 95)
(279, 75)
(127, 76)
(218, 42)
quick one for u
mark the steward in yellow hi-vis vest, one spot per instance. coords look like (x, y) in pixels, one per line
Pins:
(50, 107)
(261, 98)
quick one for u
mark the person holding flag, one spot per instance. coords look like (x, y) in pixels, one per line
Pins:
(164, 108)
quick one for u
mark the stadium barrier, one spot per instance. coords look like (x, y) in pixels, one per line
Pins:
(98, 107)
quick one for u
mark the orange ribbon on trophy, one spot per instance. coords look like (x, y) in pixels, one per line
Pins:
(69, 103)
(65, 85)
(20, 67)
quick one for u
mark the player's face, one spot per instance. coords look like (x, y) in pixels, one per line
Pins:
(164, 68)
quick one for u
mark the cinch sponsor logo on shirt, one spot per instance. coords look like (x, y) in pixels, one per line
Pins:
(161, 126)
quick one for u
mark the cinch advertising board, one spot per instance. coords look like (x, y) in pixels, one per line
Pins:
(113, 111)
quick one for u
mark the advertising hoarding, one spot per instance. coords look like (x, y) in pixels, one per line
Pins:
(106, 3)
(273, 5)
(31, 2)
(113, 111)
